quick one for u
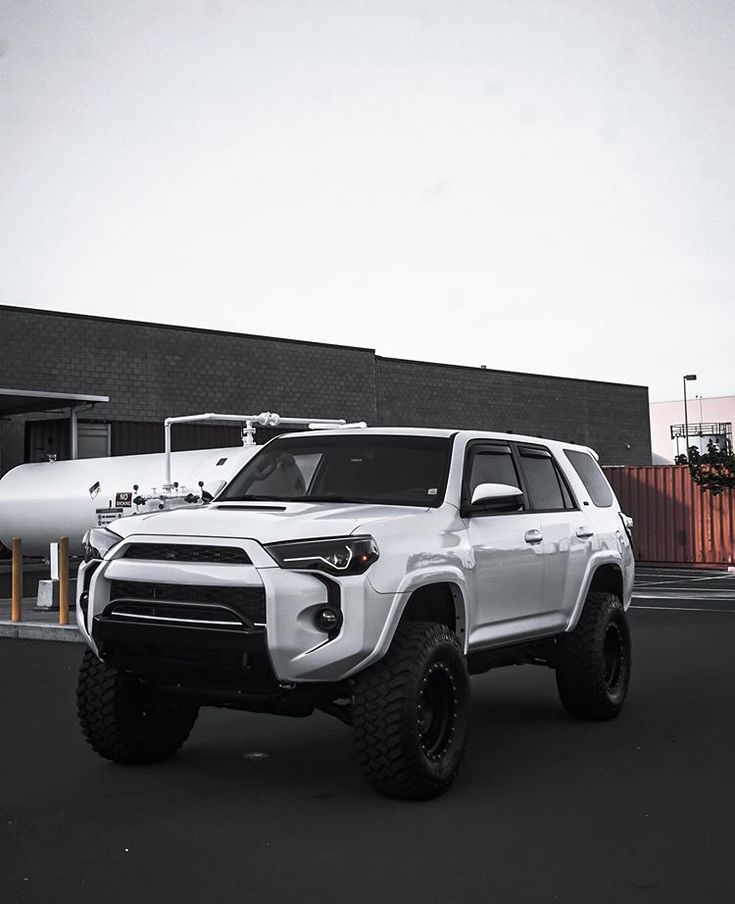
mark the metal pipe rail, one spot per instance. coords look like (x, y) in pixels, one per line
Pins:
(264, 419)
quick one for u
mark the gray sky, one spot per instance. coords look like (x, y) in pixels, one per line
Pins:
(539, 186)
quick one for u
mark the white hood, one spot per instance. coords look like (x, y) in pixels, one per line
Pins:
(265, 522)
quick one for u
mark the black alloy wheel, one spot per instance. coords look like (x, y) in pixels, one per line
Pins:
(593, 662)
(411, 713)
(437, 710)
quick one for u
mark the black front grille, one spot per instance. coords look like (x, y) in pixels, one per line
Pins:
(246, 601)
(187, 552)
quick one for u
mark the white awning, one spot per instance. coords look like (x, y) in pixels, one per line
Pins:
(24, 401)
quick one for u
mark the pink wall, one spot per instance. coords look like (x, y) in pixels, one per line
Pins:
(664, 414)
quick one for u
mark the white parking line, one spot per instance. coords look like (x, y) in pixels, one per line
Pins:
(671, 579)
(685, 593)
(682, 609)
(694, 572)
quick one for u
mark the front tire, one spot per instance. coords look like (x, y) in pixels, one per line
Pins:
(126, 720)
(411, 713)
(594, 660)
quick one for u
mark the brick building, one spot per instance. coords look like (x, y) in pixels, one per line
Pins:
(152, 371)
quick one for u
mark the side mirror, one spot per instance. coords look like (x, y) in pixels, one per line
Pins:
(496, 497)
(210, 489)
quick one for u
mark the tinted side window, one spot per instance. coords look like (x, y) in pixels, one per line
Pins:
(592, 477)
(543, 482)
(489, 466)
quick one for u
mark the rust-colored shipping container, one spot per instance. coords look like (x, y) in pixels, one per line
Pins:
(674, 521)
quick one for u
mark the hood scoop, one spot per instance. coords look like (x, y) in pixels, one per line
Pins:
(249, 508)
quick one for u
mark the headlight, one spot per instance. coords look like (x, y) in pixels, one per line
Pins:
(97, 542)
(337, 555)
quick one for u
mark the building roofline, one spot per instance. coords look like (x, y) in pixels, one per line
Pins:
(308, 342)
(514, 373)
(680, 401)
(188, 329)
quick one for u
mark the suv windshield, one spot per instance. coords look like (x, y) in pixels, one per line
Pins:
(390, 470)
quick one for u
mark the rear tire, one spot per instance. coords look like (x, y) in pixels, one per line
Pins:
(126, 720)
(594, 660)
(411, 713)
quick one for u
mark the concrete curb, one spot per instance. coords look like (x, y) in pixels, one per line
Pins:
(40, 631)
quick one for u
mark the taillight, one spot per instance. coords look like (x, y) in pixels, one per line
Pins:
(627, 524)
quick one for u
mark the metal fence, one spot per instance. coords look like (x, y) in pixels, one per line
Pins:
(674, 521)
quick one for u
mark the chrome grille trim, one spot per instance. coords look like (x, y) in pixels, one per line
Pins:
(177, 619)
(238, 608)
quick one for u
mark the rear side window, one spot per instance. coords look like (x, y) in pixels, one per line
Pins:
(591, 475)
(492, 466)
(548, 491)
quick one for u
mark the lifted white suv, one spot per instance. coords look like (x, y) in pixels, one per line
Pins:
(365, 573)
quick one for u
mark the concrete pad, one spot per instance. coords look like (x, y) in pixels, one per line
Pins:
(27, 630)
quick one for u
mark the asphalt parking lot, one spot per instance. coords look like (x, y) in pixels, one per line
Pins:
(260, 808)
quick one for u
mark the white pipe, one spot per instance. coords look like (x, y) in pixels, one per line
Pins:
(73, 434)
(325, 425)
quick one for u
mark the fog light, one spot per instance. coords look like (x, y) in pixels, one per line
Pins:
(328, 619)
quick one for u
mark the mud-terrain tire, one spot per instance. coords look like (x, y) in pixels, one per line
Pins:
(594, 660)
(411, 712)
(125, 719)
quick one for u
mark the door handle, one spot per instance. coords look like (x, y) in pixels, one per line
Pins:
(584, 533)
(533, 536)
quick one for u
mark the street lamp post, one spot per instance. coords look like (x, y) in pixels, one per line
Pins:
(686, 414)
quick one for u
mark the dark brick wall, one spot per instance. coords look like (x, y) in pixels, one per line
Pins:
(12, 441)
(613, 418)
(154, 371)
(151, 372)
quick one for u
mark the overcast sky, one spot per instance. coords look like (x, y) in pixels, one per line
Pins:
(536, 186)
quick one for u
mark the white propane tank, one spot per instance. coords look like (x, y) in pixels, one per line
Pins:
(43, 501)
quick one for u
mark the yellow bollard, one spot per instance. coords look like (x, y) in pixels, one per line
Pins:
(16, 608)
(63, 580)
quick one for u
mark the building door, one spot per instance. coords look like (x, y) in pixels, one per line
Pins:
(47, 440)
(93, 440)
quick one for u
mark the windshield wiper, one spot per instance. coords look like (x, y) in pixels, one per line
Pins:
(248, 497)
(329, 497)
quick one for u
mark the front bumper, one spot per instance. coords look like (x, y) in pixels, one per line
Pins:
(285, 647)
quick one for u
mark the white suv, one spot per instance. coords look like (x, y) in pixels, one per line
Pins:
(366, 573)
